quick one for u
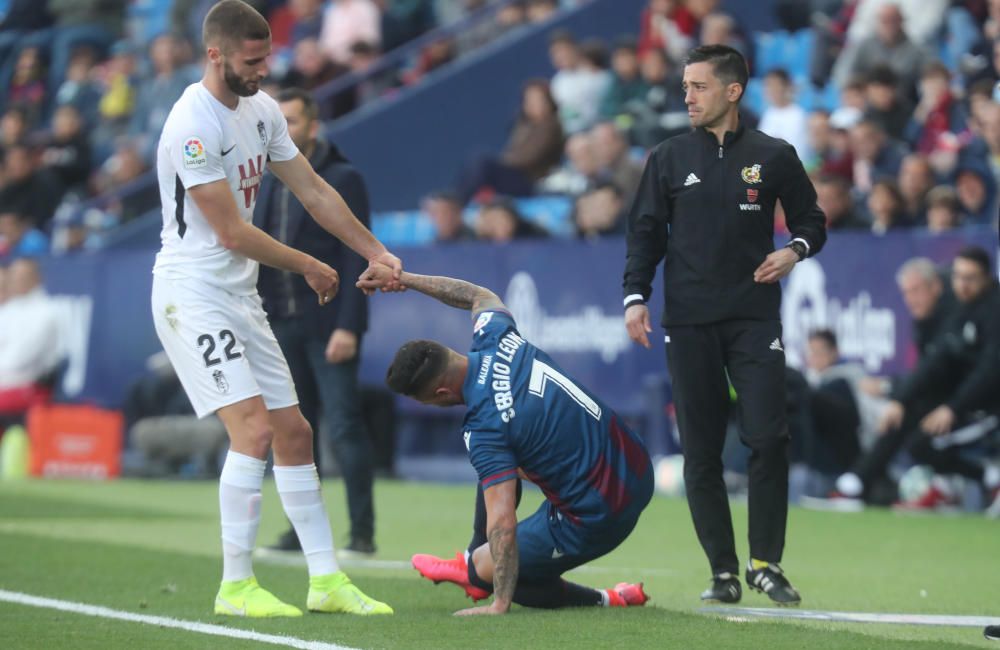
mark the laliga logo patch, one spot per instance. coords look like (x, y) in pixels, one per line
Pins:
(261, 132)
(751, 174)
(194, 153)
(220, 381)
(481, 322)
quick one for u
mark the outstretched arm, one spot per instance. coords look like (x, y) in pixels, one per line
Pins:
(328, 208)
(450, 291)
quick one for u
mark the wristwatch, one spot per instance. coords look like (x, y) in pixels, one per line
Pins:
(798, 248)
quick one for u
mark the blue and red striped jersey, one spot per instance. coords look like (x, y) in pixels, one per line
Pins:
(525, 412)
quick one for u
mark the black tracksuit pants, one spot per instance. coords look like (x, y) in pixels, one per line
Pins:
(699, 358)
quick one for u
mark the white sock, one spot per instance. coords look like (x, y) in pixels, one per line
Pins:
(298, 486)
(850, 485)
(605, 598)
(991, 476)
(239, 507)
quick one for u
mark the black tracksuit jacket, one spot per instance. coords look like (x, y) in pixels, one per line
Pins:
(709, 210)
(963, 361)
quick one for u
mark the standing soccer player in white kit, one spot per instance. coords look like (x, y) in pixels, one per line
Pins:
(215, 144)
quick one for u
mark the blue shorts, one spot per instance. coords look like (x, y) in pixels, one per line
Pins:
(549, 545)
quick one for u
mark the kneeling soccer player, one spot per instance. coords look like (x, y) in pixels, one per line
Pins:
(525, 417)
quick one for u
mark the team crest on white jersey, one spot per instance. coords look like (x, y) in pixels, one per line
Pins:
(751, 174)
(220, 381)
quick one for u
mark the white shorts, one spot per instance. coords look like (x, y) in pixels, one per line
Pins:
(220, 345)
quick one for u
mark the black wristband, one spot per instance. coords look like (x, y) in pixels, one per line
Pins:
(798, 248)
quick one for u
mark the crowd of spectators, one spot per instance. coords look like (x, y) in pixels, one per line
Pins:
(86, 86)
(912, 142)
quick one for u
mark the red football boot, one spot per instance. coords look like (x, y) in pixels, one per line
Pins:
(454, 571)
(627, 595)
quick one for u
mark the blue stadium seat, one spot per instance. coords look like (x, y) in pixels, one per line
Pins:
(414, 228)
(408, 228)
(754, 99)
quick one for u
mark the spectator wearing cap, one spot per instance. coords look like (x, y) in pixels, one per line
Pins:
(886, 104)
(627, 85)
(915, 180)
(20, 238)
(938, 111)
(499, 221)
(783, 118)
(445, 211)
(944, 212)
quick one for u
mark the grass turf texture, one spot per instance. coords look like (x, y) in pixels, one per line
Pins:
(153, 548)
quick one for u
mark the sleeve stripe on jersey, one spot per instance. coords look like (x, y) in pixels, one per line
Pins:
(179, 206)
(499, 477)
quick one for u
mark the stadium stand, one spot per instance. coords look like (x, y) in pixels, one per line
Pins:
(904, 149)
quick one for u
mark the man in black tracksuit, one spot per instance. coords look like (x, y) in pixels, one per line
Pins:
(322, 342)
(706, 206)
(958, 378)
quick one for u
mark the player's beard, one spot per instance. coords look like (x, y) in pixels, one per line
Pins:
(236, 84)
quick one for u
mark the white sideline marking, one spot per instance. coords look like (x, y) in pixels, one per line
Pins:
(854, 617)
(163, 621)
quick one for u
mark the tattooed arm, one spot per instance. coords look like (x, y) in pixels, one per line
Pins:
(452, 292)
(501, 531)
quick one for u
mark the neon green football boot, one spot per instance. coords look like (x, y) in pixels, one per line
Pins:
(247, 598)
(335, 592)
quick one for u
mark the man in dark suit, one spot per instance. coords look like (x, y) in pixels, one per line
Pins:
(322, 343)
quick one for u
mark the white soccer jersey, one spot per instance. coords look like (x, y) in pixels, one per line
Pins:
(204, 141)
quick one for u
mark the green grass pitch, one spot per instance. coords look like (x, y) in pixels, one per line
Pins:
(153, 548)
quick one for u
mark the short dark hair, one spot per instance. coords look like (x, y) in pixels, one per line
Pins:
(727, 63)
(562, 36)
(882, 75)
(977, 255)
(595, 51)
(416, 367)
(826, 335)
(293, 94)
(230, 22)
(780, 74)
